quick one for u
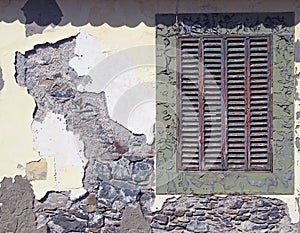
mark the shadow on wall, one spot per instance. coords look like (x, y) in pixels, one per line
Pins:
(119, 13)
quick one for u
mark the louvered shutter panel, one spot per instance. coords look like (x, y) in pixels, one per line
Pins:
(189, 102)
(225, 105)
(236, 103)
(211, 82)
(260, 107)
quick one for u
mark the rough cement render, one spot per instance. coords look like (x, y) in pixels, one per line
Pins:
(16, 211)
(134, 221)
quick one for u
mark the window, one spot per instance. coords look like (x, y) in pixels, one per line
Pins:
(225, 103)
(224, 100)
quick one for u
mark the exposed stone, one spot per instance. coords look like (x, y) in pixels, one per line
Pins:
(69, 223)
(117, 191)
(91, 199)
(134, 221)
(179, 212)
(260, 227)
(107, 194)
(52, 201)
(147, 199)
(80, 215)
(121, 146)
(122, 169)
(237, 205)
(103, 171)
(16, 211)
(94, 230)
(197, 226)
(115, 215)
(96, 220)
(204, 213)
(37, 170)
(161, 219)
(242, 218)
(199, 213)
(89, 208)
(142, 171)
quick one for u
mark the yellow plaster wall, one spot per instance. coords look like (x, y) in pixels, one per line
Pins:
(108, 21)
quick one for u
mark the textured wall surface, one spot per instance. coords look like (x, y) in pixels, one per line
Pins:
(281, 180)
(77, 117)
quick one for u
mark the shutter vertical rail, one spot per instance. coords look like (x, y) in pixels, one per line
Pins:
(247, 98)
(201, 108)
(224, 105)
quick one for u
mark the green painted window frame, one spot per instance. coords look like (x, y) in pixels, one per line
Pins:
(169, 180)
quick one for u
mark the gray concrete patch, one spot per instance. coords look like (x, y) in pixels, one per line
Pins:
(16, 212)
(1, 80)
(133, 221)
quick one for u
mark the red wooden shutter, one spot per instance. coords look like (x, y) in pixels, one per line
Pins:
(225, 105)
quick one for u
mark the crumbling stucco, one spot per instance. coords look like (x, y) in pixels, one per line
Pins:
(130, 100)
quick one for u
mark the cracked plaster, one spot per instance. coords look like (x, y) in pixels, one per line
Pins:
(51, 138)
(130, 101)
(15, 41)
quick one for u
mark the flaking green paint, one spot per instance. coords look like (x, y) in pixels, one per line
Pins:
(281, 179)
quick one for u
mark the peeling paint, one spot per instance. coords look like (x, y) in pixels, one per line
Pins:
(52, 139)
(37, 170)
(113, 73)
